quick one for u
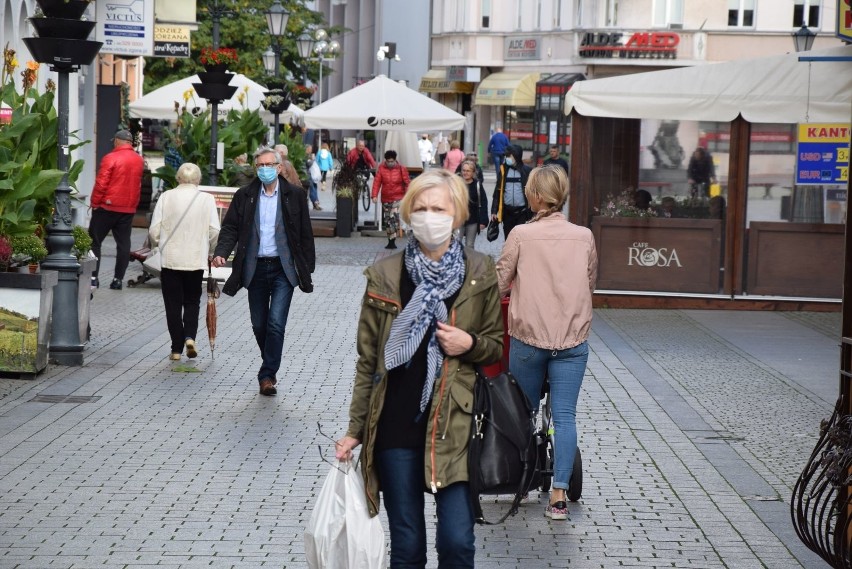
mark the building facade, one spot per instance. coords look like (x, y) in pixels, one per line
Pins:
(488, 56)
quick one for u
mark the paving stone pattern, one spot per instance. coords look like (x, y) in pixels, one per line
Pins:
(693, 427)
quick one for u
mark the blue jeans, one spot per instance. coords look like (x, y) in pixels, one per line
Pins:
(269, 296)
(312, 192)
(401, 479)
(564, 370)
(498, 161)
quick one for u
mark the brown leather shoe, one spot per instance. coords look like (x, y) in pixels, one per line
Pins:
(267, 387)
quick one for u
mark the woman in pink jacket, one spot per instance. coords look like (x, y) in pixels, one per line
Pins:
(454, 157)
(392, 180)
(551, 267)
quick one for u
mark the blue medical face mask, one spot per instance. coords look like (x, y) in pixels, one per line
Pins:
(267, 174)
(510, 161)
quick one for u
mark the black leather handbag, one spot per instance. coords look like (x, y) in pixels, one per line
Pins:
(492, 232)
(502, 457)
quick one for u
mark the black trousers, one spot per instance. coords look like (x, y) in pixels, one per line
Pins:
(182, 296)
(104, 221)
(513, 217)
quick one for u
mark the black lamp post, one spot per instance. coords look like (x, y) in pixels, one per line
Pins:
(276, 22)
(803, 39)
(216, 13)
(62, 44)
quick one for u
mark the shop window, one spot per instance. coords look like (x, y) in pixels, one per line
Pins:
(668, 13)
(806, 13)
(741, 13)
(767, 139)
(518, 126)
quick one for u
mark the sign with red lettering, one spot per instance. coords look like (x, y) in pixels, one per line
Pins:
(822, 155)
(517, 49)
(639, 45)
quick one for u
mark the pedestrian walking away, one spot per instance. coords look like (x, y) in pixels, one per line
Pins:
(454, 157)
(313, 196)
(115, 197)
(185, 227)
(509, 203)
(326, 162)
(477, 203)
(391, 182)
(429, 314)
(269, 227)
(288, 171)
(550, 266)
(497, 148)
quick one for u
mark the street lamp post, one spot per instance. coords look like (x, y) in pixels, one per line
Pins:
(388, 51)
(276, 22)
(216, 12)
(325, 50)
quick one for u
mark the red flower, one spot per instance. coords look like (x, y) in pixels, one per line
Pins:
(210, 56)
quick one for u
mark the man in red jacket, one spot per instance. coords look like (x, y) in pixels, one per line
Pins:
(113, 202)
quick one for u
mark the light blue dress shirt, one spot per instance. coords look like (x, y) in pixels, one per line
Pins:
(268, 209)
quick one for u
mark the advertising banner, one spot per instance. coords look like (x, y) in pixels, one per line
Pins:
(126, 27)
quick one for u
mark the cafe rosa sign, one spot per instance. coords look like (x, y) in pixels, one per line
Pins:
(658, 254)
(643, 255)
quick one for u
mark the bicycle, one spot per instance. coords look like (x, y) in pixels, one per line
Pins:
(366, 200)
(544, 442)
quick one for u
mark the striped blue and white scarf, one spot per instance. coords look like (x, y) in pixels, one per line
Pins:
(434, 281)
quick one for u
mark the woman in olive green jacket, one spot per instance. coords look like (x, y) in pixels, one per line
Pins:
(428, 316)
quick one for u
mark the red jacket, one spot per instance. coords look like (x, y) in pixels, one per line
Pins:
(353, 155)
(392, 181)
(119, 181)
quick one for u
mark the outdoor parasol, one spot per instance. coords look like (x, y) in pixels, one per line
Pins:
(212, 295)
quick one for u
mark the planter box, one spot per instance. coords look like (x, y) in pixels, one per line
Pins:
(84, 296)
(795, 259)
(658, 255)
(345, 208)
(26, 303)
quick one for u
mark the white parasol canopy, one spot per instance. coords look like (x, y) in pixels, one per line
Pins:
(776, 89)
(160, 103)
(383, 104)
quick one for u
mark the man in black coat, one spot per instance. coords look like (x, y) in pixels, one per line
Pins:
(511, 181)
(269, 227)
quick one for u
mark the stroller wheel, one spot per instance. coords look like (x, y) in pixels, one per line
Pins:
(575, 484)
(545, 465)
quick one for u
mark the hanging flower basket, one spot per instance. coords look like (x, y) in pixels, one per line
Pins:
(62, 28)
(61, 53)
(214, 91)
(218, 60)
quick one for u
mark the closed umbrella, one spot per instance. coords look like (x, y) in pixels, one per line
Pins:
(212, 295)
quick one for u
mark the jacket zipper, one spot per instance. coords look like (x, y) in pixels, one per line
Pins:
(444, 375)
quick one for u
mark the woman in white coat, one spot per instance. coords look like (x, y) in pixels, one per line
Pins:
(185, 226)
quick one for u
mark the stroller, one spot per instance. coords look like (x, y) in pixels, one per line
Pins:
(542, 479)
(140, 255)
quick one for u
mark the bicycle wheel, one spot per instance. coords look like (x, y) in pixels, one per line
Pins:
(365, 197)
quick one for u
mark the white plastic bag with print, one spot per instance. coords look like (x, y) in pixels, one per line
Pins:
(315, 172)
(341, 534)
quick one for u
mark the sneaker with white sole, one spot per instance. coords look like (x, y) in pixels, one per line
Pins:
(190, 348)
(557, 511)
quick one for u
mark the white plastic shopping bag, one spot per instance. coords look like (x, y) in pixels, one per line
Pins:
(315, 172)
(341, 534)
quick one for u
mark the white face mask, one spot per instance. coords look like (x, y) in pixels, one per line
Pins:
(431, 229)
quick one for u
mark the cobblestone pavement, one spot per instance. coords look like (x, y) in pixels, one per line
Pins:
(693, 427)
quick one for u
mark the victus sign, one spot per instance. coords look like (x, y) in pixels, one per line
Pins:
(639, 45)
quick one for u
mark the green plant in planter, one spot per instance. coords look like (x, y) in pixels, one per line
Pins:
(82, 241)
(345, 182)
(28, 157)
(28, 249)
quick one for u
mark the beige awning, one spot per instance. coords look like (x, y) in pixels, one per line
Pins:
(435, 81)
(511, 89)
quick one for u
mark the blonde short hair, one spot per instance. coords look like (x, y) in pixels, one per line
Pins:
(435, 178)
(550, 185)
(188, 173)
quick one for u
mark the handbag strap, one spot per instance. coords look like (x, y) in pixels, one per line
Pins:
(502, 188)
(189, 207)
